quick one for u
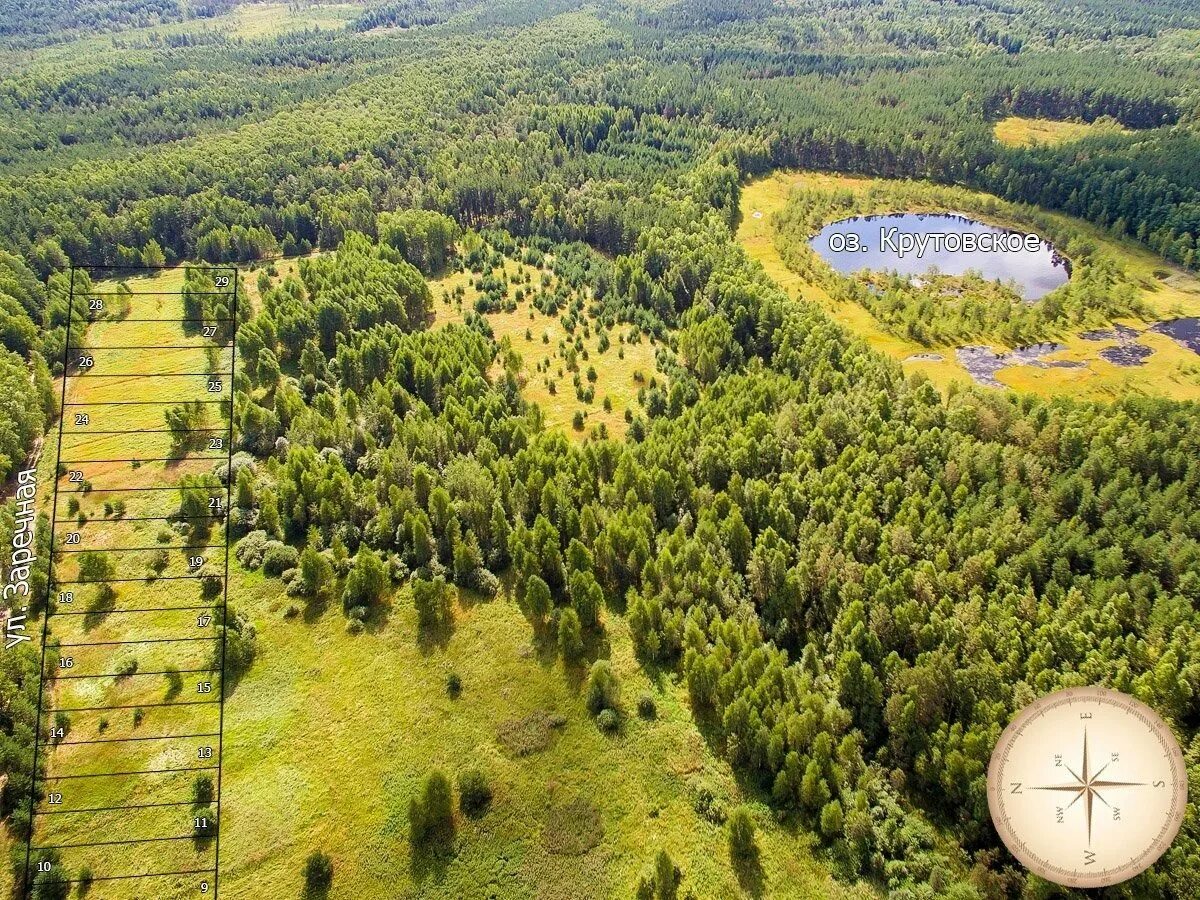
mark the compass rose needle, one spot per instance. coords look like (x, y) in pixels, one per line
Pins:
(1087, 786)
(1090, 795)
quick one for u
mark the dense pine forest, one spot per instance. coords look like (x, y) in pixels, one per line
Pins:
(853, 578)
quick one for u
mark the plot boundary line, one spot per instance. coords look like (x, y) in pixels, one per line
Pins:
(45, 742)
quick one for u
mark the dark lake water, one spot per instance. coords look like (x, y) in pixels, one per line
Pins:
(1186, 331)
(1037, 271)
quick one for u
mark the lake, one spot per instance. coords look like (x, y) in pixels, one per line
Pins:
(912, 244)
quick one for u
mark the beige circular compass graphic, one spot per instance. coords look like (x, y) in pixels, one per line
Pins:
(1087, 787)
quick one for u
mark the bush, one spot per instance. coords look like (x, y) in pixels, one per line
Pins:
(607, 720)
(709, 806)
(318, 872)
(278, 558)
(453, 685)
(485, 583)
(570, 638)
(368, 581)
(603, 688)
(202, 791)
(159, 560)
(741, 834)
(646, 707)
(211, 583)
(832, 820)
(241, 643)
(474, 792)
(251, 548)
(432, 600)
(50, 885)
(537, 598)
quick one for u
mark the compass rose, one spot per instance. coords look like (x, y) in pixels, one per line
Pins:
(1087, 786)
(1060, 777)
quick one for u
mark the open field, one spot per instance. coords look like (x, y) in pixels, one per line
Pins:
(1018, 131)
(1168, 291)
(259, 20)
(617, 368)
(329, 734)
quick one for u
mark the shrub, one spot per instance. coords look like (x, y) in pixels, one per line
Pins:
(202, 791)
(570, 638)
(316, 576)
(486, 583)
(607, 720)
(174, 683)
(241, 643)
(832, 820)
(741, 834)
(474, 792)
(537, 598)
(453, 684)
(603, 688)
(159, 561)
(278, 558)
(368, 581)
(710, 806)
(432, 600)
(211, 582)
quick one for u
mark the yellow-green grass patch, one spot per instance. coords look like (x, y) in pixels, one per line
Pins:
(1019, 131)
(329, 735)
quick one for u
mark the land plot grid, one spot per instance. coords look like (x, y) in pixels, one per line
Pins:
(126, 795)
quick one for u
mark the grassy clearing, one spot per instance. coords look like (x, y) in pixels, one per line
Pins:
(1018, 131)
(1168, 291)
(259, 20)
(329, 734)
(249, 21)
(541, 339)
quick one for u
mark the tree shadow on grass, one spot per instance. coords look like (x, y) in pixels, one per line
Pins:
(434, 637)
(378, 617)
(596, 646)
(659, 674)
(544, 642)
(750, 874)
(100, 606)
(432, 857)
(314, 608)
